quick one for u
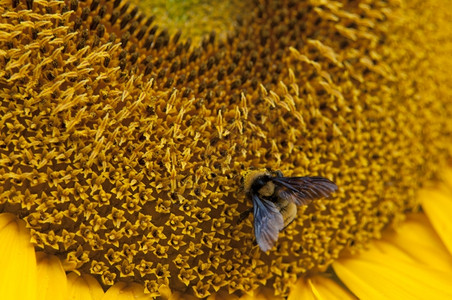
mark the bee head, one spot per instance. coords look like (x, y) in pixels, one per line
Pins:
(259, 182)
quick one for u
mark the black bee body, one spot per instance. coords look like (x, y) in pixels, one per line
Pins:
(265, 188)
(275, 200)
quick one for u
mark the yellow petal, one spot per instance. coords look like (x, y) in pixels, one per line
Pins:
(18, 271)
(84, 287)
(383, 272)
(437, 204)
(318, 287)
(447, 179)
(52, 279)
(124, 291)
(417, 239)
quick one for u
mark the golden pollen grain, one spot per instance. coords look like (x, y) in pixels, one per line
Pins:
(123, 143)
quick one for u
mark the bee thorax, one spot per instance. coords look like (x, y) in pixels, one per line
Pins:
(267, 190)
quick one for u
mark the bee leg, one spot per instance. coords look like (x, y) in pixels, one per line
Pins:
(244, 215)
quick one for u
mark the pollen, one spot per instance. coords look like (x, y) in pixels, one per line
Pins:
(123, 145)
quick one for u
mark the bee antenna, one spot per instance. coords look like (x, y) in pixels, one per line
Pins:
(279, 174)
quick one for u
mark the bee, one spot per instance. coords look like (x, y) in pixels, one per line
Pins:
(275, 200)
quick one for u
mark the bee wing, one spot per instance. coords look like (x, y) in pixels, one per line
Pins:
(268, 221)
(301, 190)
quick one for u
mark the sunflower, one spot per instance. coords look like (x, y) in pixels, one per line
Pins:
(124, 145)
(412, 262)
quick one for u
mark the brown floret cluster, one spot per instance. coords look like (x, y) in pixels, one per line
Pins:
(123, 146)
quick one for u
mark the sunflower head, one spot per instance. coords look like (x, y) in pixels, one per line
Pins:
(122, 144)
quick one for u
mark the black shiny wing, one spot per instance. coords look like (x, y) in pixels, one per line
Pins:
(301, 190)
(268, 221)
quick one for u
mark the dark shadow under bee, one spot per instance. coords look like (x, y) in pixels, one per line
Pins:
(275, 200)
